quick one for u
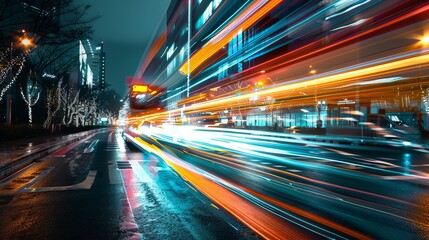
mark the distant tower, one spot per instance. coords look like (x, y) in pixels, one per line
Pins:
(92, 66)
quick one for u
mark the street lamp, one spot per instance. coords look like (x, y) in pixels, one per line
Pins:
(26, 42)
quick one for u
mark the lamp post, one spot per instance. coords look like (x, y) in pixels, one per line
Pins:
(312, 71)
(321, 105)
(26, 42)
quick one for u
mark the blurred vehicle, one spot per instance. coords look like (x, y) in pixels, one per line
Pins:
(210, 122)
(375, 126)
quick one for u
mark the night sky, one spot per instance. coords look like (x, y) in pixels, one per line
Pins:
(126, 27)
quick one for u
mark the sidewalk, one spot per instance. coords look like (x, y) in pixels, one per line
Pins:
(15, 155)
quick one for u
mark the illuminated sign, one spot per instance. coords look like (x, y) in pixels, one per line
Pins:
(140, 89)
(47, 75)
(345, 102)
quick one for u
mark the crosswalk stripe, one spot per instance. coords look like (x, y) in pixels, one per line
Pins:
(140, 172)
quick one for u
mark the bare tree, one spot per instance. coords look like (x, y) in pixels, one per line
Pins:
(55, 27)
(5, 71)
(53, 103)
(69, 101)
(30, 97)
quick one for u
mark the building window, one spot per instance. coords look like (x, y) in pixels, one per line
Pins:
(223, 71)
(181, 55)
(207, 13)
(240, 39)
(216, 3)
(205, 16)
(170, 51)
(236, 43)
(171, 67)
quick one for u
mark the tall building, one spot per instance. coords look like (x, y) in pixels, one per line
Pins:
(190, 26)
(219, 48)
(92, 65)
(85, 71)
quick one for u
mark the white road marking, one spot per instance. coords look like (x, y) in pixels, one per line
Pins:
(114, 173)
(35, 180)
(15, 175)
(86, 184)
(91, 147)
(140, 172)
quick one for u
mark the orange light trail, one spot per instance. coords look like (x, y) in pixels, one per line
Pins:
(213, 46)
(265, 224)
(286, 91)
(314, 48)
(343, 77)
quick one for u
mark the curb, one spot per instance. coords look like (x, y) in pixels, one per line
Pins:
(23, 161)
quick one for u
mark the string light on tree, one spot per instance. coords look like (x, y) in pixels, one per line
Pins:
(9, 85)
(30, 99)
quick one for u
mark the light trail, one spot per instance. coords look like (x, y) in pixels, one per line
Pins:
(265, 224)
(224, 141)
(342, 77)
(367, 55)
(252, 14)
(195, 143)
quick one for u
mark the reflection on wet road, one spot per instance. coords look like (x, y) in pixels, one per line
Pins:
(113, 191)
(300, 187)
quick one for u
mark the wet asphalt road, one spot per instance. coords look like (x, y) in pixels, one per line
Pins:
(113, 191)
(314, 190)
(103, 188)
